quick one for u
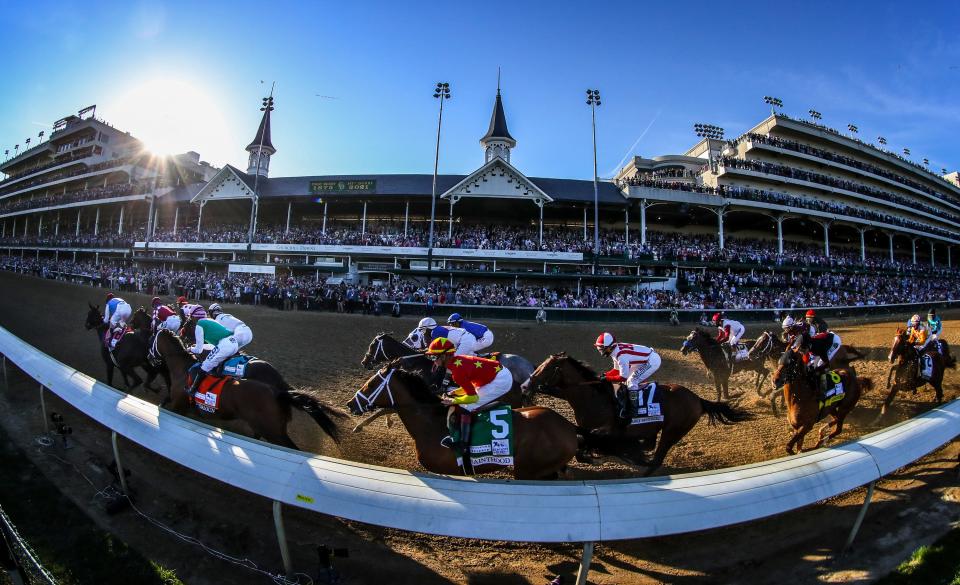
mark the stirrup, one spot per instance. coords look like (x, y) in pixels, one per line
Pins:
(447, 442)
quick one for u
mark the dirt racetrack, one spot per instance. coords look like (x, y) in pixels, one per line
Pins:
(321, 352)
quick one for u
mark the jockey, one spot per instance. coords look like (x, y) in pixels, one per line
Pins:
(632, 365)
(480, 381)
(241, 332)
(164, 317)
(427, 331)
(917, 333)
(816, 324)
(789, 326)
(191, 310)
(115, 314)
(225, 346)
(481, 333)
(728, 332)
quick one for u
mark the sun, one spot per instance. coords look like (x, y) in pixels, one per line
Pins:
(171, 116)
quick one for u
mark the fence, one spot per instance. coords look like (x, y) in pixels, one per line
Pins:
(523, 511)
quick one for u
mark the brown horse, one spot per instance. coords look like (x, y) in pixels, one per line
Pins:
(265, 409)
(905, 370)
(129, 353)
(802, 397)
(595, 410)
(544, 441)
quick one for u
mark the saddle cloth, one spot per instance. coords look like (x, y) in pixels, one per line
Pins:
(235, 366)
(207, 397)
(491, 437)
(831, 384)
(740, 352)
(646, 411)
(925, 371)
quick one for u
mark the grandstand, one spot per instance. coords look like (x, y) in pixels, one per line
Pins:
(790, 213)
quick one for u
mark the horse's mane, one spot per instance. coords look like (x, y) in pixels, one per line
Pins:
(701, 332)
(418, 387)
(580, 366)
(178, 343)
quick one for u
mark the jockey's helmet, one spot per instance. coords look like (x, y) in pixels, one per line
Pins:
(215, 309)
(440, 346)
(717, 317)
(182, 300)
(788, 322)
(454, 318)
(604, 341)
(810, 314)
(915, 321)
(109, 296)
(427, 323)
(156, 301)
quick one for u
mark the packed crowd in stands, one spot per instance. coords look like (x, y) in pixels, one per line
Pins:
(43, 167)
(66, 173)
(115, 190)
(803, 175)
(785, 144)
(705, 289)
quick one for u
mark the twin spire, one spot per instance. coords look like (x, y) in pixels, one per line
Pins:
(261, 149)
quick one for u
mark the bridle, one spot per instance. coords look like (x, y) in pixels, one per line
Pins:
(384, 374)
(372, 359)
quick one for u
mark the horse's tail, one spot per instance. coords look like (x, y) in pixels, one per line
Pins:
(323, 415)
(866, 385)
(723, 413)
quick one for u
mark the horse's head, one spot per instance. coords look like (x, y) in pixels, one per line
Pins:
(899, 346)
(379, 351)
(169, 345)
(417, 340)
(789, 368)
(140, 319)
(94, 318)
(187, 328)
(390, 387)
(762, 345)
(556, 374)
(694, 341)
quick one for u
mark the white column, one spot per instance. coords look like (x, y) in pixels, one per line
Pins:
(120, 223)
(156, 220)
(720, 213)
(406, 218)
(199, 217)
(863, 244)
(13, 232)
(779, 220)
(932, 251)
(40, 226)
(56, 226)
(541, 226)
(26, 223)
(913, 241)
(450, 223)
(77, 231)
(4, 228)
(363, 222)
(96, 222)
(289, 211)
(890, 237)
(643, 222)
(949, 262)
(826, 237)
(176, 218)
(324, 230)
(584, 223)
(626, 226)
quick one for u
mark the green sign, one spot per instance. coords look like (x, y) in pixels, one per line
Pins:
(336, 187)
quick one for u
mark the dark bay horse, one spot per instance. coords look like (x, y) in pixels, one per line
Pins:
(265, 409)
(802, 396)
(129, 353)
(544, 441)
(905, 370)
(719, 367)
(595, 409)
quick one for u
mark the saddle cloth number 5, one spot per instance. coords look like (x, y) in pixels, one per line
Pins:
(502, 426)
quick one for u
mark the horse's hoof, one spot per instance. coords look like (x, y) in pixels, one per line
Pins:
(790, 451)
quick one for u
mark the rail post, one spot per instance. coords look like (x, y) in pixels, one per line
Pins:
(43, 412)
(282, 537)
(116, 459)
(585, 563)
(860, 516)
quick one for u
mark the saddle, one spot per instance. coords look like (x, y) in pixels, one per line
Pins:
(207, 397)
(639, 407)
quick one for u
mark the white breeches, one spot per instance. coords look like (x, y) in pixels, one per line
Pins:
(223, 350)
(243, 334)
(172, 323)
(484, 342)
(495, 389)
(735, 337)
(642, 372)
(467, 344)
(120, 315)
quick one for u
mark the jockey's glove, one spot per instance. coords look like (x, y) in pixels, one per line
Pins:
(613, 376)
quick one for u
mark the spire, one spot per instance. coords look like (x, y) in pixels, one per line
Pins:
(261, 149)
(497, 142)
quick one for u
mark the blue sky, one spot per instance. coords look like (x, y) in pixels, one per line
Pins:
(890, 68)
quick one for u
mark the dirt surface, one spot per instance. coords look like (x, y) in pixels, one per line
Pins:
(321, 352)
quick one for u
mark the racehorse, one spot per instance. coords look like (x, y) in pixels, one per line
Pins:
(595, 410)
(129, 353)
(717, 364)
(905, 370)
(802, 396)
(263, 407)
(544, 441)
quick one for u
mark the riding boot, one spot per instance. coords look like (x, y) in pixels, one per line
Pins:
(465, 419)
(199, 376)
(621, 395)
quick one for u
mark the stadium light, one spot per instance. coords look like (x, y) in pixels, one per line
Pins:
(815, 115)
(709, 132)
(773, 103)
(943, 170)
(853, 128)
(593, 100)
(906, 152)
(40, 136)
(442, 93)
(926, 162)
(882, 140)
